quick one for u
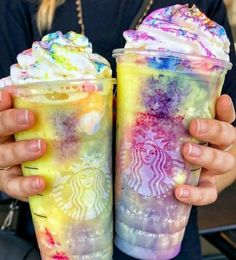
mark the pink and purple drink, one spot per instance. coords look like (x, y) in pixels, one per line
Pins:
(159, 93)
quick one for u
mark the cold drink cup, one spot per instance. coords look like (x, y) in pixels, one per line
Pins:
(159, 93)
(73, 216)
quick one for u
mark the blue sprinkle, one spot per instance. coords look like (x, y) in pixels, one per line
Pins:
(99, 66)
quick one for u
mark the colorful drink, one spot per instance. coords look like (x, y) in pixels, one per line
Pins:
(69, 90)
(159, 93)
(152, 127)
(73, 217)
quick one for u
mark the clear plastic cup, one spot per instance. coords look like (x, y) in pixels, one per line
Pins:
(73, 216)
(158, 94)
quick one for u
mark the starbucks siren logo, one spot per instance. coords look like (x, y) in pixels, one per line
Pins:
(84, 192)
(149, 156)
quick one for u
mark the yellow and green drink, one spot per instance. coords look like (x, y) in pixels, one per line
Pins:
(69, 90)
(171, 70)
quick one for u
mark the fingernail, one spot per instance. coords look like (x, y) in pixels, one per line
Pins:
(37, 184)
(22, 117)
(34, 146)
(184, 193)
(202, 126)
(194, 150)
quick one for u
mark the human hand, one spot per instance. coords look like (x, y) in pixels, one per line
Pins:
(12, 153)
(220, 134)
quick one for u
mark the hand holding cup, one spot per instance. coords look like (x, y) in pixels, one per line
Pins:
(12, 153)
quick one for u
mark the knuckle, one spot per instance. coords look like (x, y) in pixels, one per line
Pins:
(210, 198)
(2, 121)
(4, 157)
(222, 161)
(21, 187)
(207, 197)
(24, 187)
(217, 130)
(234, 135)
(200, 199)
(5, 117)
(218, 162)
(222, 133)
(2, 182)
(15, 151)
(230, 161)
(220, 127)
(18, 152)
(210, 155)
(7, 154)
(7, 187)
(231, 132)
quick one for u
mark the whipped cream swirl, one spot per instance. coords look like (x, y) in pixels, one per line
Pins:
(180, 29)
(58, 57)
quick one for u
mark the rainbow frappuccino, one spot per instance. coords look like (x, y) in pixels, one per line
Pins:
(171, 70)
(69, 89)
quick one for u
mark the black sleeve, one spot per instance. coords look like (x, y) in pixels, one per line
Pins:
(217, 12)
(15, 32)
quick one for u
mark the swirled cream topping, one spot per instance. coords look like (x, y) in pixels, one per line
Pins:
(181, 29)
(58, 57)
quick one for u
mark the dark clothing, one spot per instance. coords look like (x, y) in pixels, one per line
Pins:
(104, 20)
(14, 248)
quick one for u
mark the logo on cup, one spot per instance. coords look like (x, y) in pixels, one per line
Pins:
(84, 194)
(147, 158)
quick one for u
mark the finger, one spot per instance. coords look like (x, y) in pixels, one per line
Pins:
(15, 185)
(209, 158)
(225, 109)
(204, 194)
(22, 151)
(5, 100)
(213, 131)
(15, 120)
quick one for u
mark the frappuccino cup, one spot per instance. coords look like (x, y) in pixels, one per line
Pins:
(159, 93)
(171, 71)
(73, 216)
(69, 89)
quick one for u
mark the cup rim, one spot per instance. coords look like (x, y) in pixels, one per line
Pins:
(118, 52)
(60, 81)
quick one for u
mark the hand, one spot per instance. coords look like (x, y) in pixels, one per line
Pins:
(220, 134)
(12, 153)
